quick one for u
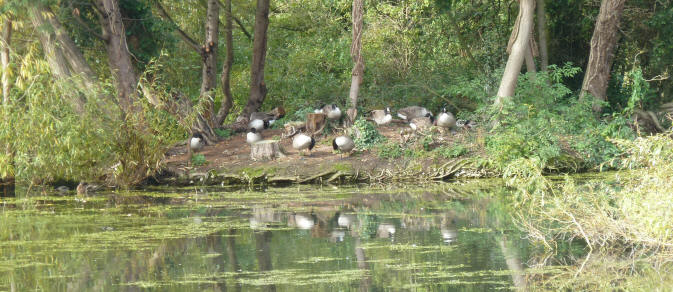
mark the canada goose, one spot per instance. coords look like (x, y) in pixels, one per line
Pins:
(411, 112)
(197, 142)
(421, 123)
(382, 117)
(265, 116)
(343, 144)
(268, 118)
(253, 136)
(302, 141)
(331, 110)
(259, 124)
(466, 124)
(446, 119)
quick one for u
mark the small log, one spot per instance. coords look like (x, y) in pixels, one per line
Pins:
(292, 128)
(266, 150)
(315, 123)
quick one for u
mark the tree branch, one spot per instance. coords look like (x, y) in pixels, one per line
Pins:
(240, 25)
(75, 15)
(190, 41)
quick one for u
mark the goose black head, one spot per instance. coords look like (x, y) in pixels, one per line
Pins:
(444, 109)
(253, 130)
(429, 115)
(334, 144)
(334, 106)
(197, 135)
(266, 124)
(387, 110)
(310, 147)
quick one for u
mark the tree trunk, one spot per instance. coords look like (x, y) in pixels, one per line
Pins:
(53, 52)
(119, 57)
(315, 123)
(228, 99)
(530, 62)
(601, 55)
(522, 31)
(356, 54)
(72, 53)
(5, 41)
(257, 86)
(206, 120)
(542, 35)
(266, 150)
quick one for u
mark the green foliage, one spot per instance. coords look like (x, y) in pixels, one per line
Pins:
(224, 133)
(631, 211)
(199, 159)
(453, 151)
(366, 135)
(390, 150)
(545, 122)
(52, 137)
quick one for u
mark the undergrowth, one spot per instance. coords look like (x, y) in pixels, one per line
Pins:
(629, 219)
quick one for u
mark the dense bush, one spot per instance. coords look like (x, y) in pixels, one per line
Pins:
(49, 139)
(547, 122)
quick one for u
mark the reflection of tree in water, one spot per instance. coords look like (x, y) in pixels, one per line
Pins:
(263, 254)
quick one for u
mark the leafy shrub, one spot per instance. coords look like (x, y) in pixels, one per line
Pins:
(390, 151)
(199, 159)
(52, 138)
(544, 121)
(366, 134)
(224, 133)
(452, 151)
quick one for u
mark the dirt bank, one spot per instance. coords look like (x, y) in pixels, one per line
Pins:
(228, 162)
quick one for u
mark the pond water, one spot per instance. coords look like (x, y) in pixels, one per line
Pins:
(455, 236)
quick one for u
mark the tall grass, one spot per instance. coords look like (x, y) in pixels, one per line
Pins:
(628, 218)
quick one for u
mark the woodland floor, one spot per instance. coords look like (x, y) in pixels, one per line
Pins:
(233, 156)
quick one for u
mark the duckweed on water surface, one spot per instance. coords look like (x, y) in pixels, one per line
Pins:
(448, 236)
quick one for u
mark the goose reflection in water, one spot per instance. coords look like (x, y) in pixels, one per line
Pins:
(448, 230)
(301, 221)
(346, 220)
(386, 230)
(449, 234)
(337, 235)
(262, 217)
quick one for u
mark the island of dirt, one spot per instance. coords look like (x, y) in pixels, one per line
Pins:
(228, 162)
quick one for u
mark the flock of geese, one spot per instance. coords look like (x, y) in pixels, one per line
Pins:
(416, 116)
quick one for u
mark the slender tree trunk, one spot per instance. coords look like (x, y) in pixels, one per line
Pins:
(257, 86)
(72, 53)
(5, 41)
(542, 35)
(530, 63)
(603, 43)
(356, 54)
(206, 120)
(53, 51)
(522, 31)
(119, 56)
(228, 100)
